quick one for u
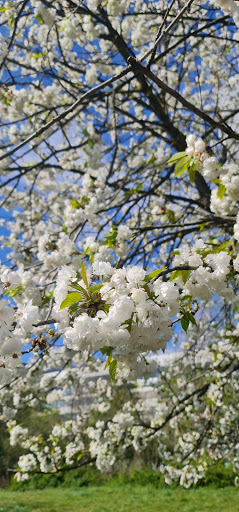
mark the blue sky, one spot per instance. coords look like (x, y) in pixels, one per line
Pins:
(4, 232)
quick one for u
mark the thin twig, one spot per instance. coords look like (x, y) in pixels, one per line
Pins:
(161, 36)
(63, 114)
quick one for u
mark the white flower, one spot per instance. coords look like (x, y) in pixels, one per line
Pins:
(236, 263)
(27, 462)
(135, 275)
(28, 315)
(123, 233)
(65, 276)
(199, 146)
(102, 268)
(210, 170)
(10, 279)
(122, 309)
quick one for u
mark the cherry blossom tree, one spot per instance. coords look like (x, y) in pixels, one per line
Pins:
(119, 183)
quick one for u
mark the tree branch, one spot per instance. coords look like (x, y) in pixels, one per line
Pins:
(175, 94)
(63, 114)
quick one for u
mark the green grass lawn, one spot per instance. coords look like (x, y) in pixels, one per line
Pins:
(123, 498)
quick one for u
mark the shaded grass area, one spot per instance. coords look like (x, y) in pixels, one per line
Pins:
(219, 475)
(124, 498)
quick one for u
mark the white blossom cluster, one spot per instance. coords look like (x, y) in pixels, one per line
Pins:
(228, 204)
(210, 271)
(15, 324)
(152, 412)
(10, 348)
(236, 229)
(96, 188)
(229, 7)
(137, 317)
(206, 165)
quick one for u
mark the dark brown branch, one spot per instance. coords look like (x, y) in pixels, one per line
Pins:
(175, 94)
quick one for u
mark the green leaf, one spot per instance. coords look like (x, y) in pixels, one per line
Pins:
(192, 172)
(84, 276)
(146, 287)
(96, 288)
(15, 292)
(46, 300)
(202, 226)
(37, 55)
(185, 322)
(185, 275)
(176, 157)
(191, 318)
(82, 290)
(39, 19)
(185, 297)
(75, 203)
(112, 370)
(11, 21)
(108, 361)
(71, 298)
(221, 191)
(129, 323)
(150, 276)
(106, 351)
(74, 308)
(175, 274)
(221, 247)
(151, 160)
(87, 251)
(130, 191)
(181, 165)
(110, 238)
(171, 216)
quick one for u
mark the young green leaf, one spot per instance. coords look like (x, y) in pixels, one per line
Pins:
(185, 275)
(106, 351)
(202, 226)
(154, 274)
(84, 276)
(108, 361)
(112, 370)
(191, 173)
(110, 238)
(96, 288)
(221, 191)
(191, 318)
(176, 157)
(181, 165)
(39, 19)
(185, 322)
(75, 203)
(71, 298)
(175, 274)
(82, 290)
(151, 160)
